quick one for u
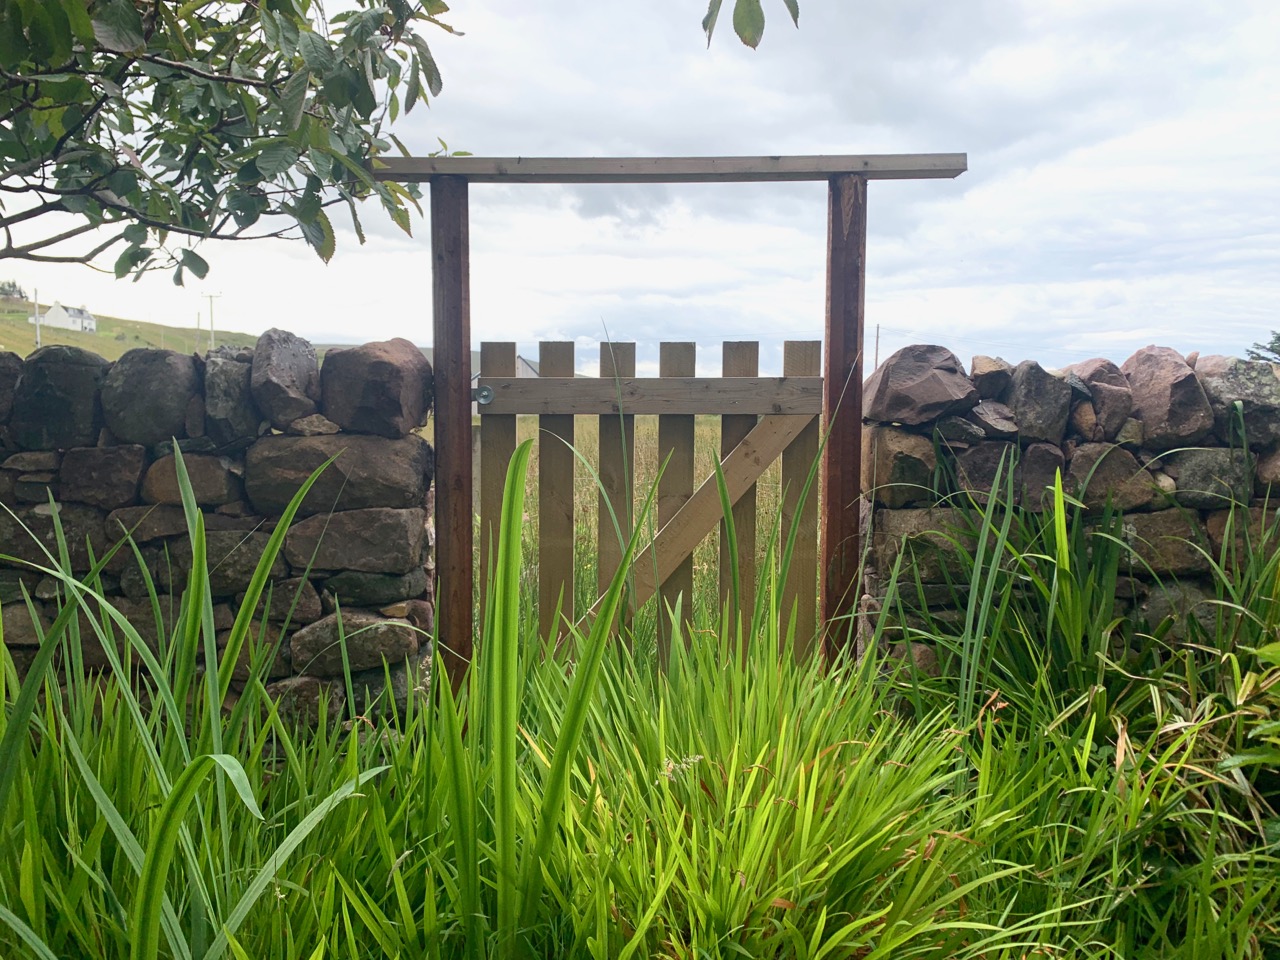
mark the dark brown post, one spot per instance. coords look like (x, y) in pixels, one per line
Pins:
(451, 306)
(842, 402)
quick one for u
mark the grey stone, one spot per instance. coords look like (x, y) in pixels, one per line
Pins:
(10, 371)
(212, 482)
(12, 582)
(383, 388)
(285, 378)
(995, 419)
(83, 527)
(916, 385)
(1255, 386)
(959, 430)
(378, 540)
(1130, 434)
(146, 395)
(233, 558)
(369, 472)
(1038, 469)
(1184, 604)
(1166, 542)
(370, 640)
(1109, 395)
(316, 425)
(1167, 398)
(34, 461)
(978, 466)
(383, 689)
(229, 411)
(897, 467)
(926, 539)
(991, 376)
(147, 523)
(307, 700)
(375, 589)
(1267, 477)
(294, 599)
(1040, 402)
(56, 403)
(20, 628)
(1101, 473)
(105, 477)
(1209, 477)
(35, 487)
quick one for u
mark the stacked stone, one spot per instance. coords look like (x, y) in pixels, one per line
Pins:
(1171, 441)
(93, 442)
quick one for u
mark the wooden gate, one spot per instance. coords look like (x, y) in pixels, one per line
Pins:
(760, 420)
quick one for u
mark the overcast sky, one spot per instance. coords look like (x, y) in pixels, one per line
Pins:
(1122, 186)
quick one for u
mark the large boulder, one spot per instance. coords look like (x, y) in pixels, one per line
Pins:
(57, 402)
(1040, 402)
(1254, 385)
(10, 371)
(368, 472)
(383, 388)
(370, 640)
(1038, 470)
(105, 477)
(916, 385)
(285, 379)
(230, 414)
(1110, 397)
(1102, 473)
(146, 395)
(373, 541)
(980, 466)
(897, 467)
(1167, 398)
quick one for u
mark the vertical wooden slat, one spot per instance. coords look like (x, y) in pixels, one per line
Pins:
(497, 445)
(451, 310)
(739, 359)
(801, 358)
(617, 466)
(842, 402)
(555, 500)
(675, 437)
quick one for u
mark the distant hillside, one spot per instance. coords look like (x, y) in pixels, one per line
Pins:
(114, 335)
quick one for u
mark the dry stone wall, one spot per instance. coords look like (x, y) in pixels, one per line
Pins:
(1172, 441)
(94, 442)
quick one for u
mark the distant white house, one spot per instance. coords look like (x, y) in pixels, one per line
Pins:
(67, 318)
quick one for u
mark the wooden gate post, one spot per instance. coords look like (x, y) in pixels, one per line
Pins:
(451, 308)
(842, 402)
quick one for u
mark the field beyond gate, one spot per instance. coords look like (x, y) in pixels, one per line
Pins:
(762, 430)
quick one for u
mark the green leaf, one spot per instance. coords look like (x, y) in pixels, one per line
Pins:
(177, 276)
(319, 233)
(135, 234)
(118, 26)
(709, 21)
(276, 158)
(144, 926)
(293, 99)
(793, 8)
(81, 24)
(130, 258)
(316, 53)
(428, 63)
(748, 22)
(194, 262)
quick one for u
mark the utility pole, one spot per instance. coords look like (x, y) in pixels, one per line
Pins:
(211, 297)
(36, 294)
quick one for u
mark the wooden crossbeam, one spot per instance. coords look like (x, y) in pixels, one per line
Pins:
(886, 166)
(595, 396)
(743, 466)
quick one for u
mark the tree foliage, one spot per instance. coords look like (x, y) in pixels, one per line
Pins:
(1267, 351)
(134, 129)
(155, 125)
(11, 290)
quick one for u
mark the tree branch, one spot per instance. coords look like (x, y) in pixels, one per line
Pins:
(208, 74)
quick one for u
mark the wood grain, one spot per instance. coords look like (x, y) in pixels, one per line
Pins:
(900, 166)
(842, 404)
(497, 445)
(616, 466)
(800, 589)
(675, 441)
(679, 395)
(451, 322)
(739, 359)
(555, 501)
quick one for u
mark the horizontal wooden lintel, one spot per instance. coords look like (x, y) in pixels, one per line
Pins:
(651, 395)
(886, 166)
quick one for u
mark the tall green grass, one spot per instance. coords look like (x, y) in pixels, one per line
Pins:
(1043, 797)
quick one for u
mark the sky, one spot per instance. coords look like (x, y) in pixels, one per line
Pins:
(1123, 186)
